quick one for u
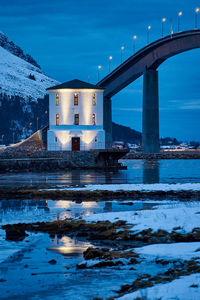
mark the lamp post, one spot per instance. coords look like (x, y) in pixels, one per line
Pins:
(163, 21)
(179, 19)
(37, 119)
(122, 49)
(148, 29)
(13, 137)
(134, 39)
(196, 16)
(110, 58)
(171, 28)
(2, 138)
(30, 127)
(99, 68)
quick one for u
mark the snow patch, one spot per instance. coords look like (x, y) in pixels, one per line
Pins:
(184, 251)
(14, 77)
(165, 217)
(177, 289)
(157, 187)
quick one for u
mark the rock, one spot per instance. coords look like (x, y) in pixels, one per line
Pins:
(15, 234)
(52, 262)
(81, 266)
(194, 285)
(92, 253)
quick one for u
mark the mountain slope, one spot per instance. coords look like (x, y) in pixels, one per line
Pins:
(125, 134)
(21, 78)
(16, 50)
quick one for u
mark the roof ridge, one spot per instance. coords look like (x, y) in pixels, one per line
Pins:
(75, 84)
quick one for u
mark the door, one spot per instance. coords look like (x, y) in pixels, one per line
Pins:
(76, 144)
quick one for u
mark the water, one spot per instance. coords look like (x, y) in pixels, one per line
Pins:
(25, 265)
(139, 171)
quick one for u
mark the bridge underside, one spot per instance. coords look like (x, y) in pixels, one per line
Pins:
(145, 62)
(150, 118)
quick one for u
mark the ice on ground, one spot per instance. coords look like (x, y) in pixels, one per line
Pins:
(178, 289)
(184, 251)
(180, 215)
(135, 187)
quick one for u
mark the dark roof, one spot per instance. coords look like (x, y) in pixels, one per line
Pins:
(75, 84)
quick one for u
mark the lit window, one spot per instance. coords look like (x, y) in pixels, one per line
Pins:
(76, 119)
(57, 119)
(57, 99)
(94, 99)
(93, 119)
(75, 99)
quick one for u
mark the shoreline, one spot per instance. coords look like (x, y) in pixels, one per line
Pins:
(165, 155)
(98, 195)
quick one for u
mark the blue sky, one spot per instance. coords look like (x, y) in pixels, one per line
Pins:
(70, 38)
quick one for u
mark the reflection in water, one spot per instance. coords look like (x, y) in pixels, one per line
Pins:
(139, 171)
(151, 172)
(108, 207)
(16, 211)
(68, 246)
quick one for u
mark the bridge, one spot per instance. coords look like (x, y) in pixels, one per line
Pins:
(145, 62)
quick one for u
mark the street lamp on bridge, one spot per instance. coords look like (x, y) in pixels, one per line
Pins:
(179, 19)
(134, 39)
(99, 68)
(110, 58)
(163, 21)
(196, 16)
(148, 29)
(122, 49)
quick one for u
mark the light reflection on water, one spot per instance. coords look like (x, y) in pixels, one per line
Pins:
(139, 171)
(27, 211)
(69, 247)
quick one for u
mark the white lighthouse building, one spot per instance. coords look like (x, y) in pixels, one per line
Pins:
(75, 117)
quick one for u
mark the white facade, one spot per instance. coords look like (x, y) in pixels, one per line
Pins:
(66, 110)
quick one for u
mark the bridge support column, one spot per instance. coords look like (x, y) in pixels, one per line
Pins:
(107, 121)
(150, 123)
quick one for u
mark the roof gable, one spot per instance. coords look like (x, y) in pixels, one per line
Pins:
(75, 84)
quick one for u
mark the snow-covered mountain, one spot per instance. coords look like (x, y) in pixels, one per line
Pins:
(20, 75)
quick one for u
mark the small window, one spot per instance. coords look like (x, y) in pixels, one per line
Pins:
(76, 99)
(76, 119)
(56, 139)
(57, 119)
(57, 99)
(94, 99)
(93, 119)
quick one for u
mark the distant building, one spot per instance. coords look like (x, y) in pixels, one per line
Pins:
(75, 117)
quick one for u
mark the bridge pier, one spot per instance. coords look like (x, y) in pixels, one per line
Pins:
(107, 121)
(150, 122)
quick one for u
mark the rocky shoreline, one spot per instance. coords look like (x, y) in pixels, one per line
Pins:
(120, 251)
(165, 155)
(98, 195)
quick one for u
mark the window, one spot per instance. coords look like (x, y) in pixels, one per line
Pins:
(75, 99)
(93, 119)
(56, 139)
(94, 99)
(76, 119)
(57, 99)
(57, 119)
